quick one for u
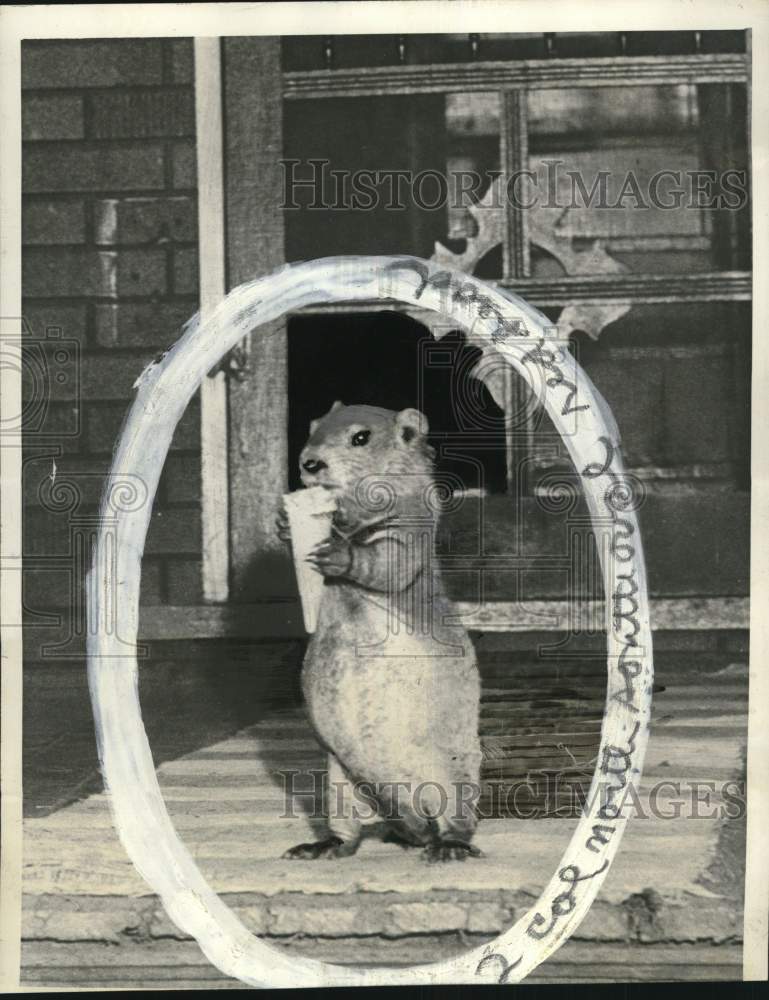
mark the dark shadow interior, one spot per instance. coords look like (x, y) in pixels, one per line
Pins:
(390, 360)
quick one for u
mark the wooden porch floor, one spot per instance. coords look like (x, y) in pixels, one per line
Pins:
(670, 908)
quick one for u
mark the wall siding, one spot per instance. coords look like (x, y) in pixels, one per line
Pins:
(109, 275)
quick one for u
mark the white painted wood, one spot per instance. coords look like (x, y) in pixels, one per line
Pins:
(213, 390)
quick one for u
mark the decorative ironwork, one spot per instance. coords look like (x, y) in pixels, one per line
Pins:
(490, 217)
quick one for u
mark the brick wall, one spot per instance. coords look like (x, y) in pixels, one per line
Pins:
(109, 274)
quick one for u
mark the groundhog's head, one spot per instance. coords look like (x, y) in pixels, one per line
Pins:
(351, 446)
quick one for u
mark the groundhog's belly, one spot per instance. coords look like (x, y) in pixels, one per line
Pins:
(390, 705)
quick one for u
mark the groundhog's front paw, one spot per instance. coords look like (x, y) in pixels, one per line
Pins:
(282, 526)
(450, 850)
(332, 557)
(332, 847)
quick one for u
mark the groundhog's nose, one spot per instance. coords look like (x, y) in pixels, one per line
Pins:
(313, 465)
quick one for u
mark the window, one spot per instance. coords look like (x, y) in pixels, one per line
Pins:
(603, 177)
(364, 142)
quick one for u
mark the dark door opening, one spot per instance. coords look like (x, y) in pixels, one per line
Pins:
(390, 360)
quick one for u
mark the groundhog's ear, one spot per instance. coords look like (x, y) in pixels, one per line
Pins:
(314, 423)
(411, 424)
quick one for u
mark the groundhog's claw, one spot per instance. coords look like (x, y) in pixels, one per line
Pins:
(332, 557)
(450, 850)
(332, 847)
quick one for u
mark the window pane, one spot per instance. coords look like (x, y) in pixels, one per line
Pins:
(653, 173)
(368, 176)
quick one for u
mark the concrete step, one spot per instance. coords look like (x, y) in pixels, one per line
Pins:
(670, 904)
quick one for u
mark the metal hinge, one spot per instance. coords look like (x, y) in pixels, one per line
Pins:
(237, 362)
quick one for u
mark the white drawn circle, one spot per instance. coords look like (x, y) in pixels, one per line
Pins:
(500, 322)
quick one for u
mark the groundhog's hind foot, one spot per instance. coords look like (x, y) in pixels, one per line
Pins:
(450, 850)
(331, 847)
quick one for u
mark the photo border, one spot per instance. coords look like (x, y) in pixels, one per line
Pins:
(514, 16)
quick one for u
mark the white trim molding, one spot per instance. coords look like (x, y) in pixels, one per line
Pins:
(213, 390)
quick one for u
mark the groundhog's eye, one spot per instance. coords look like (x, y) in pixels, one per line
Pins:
(360, 438)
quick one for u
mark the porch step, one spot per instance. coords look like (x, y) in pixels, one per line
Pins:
(670, 902)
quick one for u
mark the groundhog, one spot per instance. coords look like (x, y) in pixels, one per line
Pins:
(390, 683)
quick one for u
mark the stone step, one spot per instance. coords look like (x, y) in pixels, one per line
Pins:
(122, 920)
(668, 902)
